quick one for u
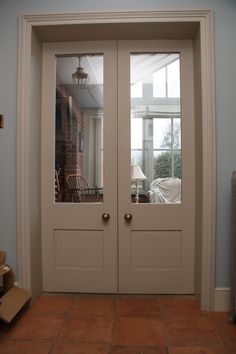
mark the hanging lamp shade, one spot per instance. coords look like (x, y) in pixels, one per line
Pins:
(80, 77)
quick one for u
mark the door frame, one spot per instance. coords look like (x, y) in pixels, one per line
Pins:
(31, 36)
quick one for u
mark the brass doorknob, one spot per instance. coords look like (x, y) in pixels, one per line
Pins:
(106, 217)
(128, 217)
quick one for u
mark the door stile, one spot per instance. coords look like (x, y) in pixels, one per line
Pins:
(155, 226)
(69, 227)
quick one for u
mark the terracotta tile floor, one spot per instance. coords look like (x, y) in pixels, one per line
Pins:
(106, 324)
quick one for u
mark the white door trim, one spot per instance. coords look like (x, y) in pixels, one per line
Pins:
(205, 19)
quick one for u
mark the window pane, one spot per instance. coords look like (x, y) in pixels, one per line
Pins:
(167, 164)
(173, 83)
(155, 129)
(177, 164)
(79, 129)
(159, 83)
(162, 133)
(176, 133)
(136, 133)
(162, 164)
(137, 89)
(136, 157)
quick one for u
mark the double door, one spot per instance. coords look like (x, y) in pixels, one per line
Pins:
(118, 167)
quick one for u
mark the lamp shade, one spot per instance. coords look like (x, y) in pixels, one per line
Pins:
(137, 173)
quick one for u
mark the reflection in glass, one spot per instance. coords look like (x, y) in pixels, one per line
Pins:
(137, 89)
(137, 176)
(159, 83)
(156, 127)
(79, 129)
(173, 74)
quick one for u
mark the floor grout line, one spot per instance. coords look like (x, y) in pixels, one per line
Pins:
(63, 327)
(162, 317)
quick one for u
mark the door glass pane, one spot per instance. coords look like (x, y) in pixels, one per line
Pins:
(156, 165)
(173, 86)
(159, 83)
(161, 133)
(79, 129)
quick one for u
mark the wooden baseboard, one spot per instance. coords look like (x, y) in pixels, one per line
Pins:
(222, 299)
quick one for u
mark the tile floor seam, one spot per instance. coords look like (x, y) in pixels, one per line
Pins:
(56, 339)
(217, 328)
(15, 344)
(220, 330)
(218, 334)
(62, 339)
(167, 334)
(161, 309)
(222, 337)
(140, 347)
(20, 340)
(80, 345)
(78, 312)
(39, 341)
(165, 326)
(113, 322)
(69, 341)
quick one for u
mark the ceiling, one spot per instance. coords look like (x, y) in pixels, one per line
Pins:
(91, 95)
(143, 65)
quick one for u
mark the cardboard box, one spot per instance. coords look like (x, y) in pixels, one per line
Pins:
(12, 298)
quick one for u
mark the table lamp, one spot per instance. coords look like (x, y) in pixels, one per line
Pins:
(137, 175)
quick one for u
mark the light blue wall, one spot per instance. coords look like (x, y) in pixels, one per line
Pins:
(225, 54)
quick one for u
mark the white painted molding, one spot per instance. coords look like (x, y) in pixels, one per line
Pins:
(209, 163)
(23, 107)
(43, 19)
(222, 299)
(205, 19)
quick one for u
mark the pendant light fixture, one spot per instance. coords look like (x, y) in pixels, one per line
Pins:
(80, 77)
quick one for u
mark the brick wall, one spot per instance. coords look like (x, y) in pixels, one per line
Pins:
(73, 126)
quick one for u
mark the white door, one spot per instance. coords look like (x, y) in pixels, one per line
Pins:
(79, 248)
(156, 246)
(146, 243)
